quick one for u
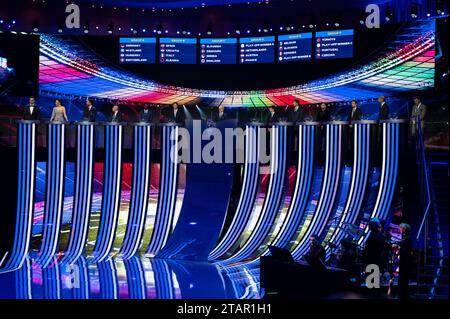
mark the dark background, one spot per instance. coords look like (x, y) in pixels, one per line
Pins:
(22, 53)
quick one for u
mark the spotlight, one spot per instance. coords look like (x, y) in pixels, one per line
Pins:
(110, 28)
(439, 7)
(36, 26)
(86, 28)
(237, 29)
(159, 28)
(414, 11)
(336, 24)
(209, 29)
(60, 27)
(135, 29)
(184, 29)
(265, 27)
(389, 14)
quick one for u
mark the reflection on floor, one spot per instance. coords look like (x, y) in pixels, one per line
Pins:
(135, 278)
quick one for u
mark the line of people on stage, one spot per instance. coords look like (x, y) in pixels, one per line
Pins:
(177, 114)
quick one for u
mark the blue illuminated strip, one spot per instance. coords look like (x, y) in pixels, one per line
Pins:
(305, 169)
(167, 190)
(23, 280)
(329, 188)
(244, 278)
(389, 167)
(82, 278)
(274, 197)
(107, 274)
(54, 194)
(248, 194)
(163, 279)
(360, 172)
(139, 191)
(51, 280)
(26, 146)
(111, 192)
(83, 193)
(135, 278)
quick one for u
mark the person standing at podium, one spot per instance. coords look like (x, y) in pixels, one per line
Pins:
(116, 116)
(89, 112)
(32, 112)
(296, 114)
(59, 114)
(145, 116)
(384, 110)
(323, 114)
(175, 115)
(355, 113)
(272, 117)
(219, 114)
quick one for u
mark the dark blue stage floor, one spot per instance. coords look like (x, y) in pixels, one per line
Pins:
(135, 278)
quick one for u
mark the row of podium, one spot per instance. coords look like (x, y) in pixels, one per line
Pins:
(208, 239)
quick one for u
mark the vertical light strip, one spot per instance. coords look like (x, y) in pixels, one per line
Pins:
(111, 193)
(167, 190)
(23, 279)
(107, 274)
(135, 278)
(163, 279)
(140, 191)
(54, 194)
(83, 193)
(248, 194)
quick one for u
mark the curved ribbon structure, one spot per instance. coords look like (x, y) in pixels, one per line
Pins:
(389, 169)
(167, 190)
(54, 194)
(139, 191)
(329, 188)
(360, 173)
(303, 183)
(26, 145)
(274, 197)
(111, 192)
(248, 194)
(82, 192)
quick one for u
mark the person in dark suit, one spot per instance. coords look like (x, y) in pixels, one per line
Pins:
(323, 114)
(374, 251)
(406, 264)
(384, 110)
(145, 115)
(355, 113)
(296, 114)
(31, 112)
(219, 114)
(175, 115)
(272, 116)
(89, 112)
(316, 250)
(116, 116)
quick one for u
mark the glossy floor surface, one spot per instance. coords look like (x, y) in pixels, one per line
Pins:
(135, 278)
